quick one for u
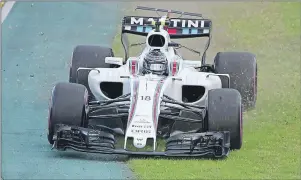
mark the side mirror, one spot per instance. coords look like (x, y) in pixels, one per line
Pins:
(114, 60)
(172, 44)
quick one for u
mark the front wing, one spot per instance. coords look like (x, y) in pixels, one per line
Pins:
(206, 144)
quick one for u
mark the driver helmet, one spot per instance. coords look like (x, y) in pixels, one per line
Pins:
(155, 62)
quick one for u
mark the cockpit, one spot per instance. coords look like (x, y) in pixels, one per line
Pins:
(155, 62)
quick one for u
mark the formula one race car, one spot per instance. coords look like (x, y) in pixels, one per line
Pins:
(114, 105)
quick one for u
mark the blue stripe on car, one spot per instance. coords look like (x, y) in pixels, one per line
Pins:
(185, 31)
(140, 28)
(194, 31)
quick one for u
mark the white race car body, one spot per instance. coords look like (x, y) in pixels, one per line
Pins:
(129, 100)
(147, 89)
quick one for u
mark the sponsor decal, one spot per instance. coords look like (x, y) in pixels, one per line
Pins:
(184, 23)
(141, 121)
(141, 131)
(142, 126)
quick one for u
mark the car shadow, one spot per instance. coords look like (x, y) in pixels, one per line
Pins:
(88, 156)
(120, 158)
(140, 157)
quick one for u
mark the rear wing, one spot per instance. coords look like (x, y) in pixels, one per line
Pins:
(177, 28)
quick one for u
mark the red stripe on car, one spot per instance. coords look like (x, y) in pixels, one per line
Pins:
(156, 102)
(134, 103)
(174, 68)
(172, 31)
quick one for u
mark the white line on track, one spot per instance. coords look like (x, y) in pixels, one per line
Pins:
(6, 9)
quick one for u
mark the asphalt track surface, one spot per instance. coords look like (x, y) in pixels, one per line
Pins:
(38, 39)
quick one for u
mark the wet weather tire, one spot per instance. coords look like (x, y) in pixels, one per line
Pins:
(68, 105)
(242, 69)
(225, 114)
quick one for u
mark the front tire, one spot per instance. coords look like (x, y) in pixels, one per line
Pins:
(68, 105)
(225, 114)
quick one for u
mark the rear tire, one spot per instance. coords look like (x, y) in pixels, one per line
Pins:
(242, 69)
(225, 114)
(88, 57)
(68, 105)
